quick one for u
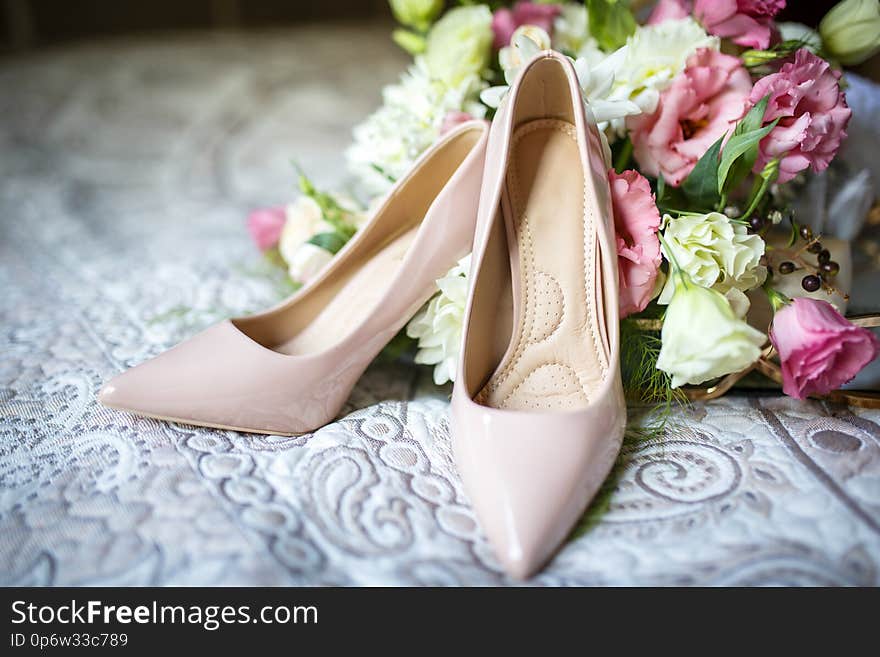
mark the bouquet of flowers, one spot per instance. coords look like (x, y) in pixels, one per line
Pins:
(713, 113)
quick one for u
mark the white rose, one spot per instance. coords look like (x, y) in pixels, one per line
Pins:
(702, 338)
(304, 221)
(307, 261)
(714, 252)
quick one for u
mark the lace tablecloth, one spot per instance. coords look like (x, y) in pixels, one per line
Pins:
(126, 171)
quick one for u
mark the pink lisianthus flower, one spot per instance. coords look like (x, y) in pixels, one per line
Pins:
(702, 104)
(505, 21)
(636, 221)
(746, 22)
(453, 119)
(265, 226)
(805, 96)
(819, 349)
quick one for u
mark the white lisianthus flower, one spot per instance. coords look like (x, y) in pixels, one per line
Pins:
(409, 121)
(714, 252)
(738, 301)
(653, 56)
(702, 338)
(304, 221)
(438, 325)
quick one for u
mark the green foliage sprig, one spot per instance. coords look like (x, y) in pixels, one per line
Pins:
(649, 391)
(761, 62)
(333, 213)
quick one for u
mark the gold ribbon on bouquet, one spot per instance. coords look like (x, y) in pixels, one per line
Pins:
(768, 366)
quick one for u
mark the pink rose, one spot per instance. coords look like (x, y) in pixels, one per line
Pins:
(702, 104)
(453, 119)
(265, 226)
(505, 21)
(819, 349)
(746, 22)
(805, 95)
(636, 220)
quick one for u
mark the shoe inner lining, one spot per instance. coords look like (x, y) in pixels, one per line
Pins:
(354, 301)
(555, 358)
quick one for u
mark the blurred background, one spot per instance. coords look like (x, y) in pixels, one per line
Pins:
(36, 23)
(30, 24)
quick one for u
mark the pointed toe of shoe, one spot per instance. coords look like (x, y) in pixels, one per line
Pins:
(520, 551)
(530, 476)
(141, 390)
(173, 386)
(221, 378)
(117, 393)
(108, 394)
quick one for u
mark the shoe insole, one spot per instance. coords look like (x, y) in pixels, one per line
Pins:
(555, 357)
(354, 301)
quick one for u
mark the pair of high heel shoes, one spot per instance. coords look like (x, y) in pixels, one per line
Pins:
(537, 409)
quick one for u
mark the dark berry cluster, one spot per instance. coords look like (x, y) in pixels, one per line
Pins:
(815, 276)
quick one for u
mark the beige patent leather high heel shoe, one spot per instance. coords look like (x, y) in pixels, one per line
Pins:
(538, 411)
(289, 370)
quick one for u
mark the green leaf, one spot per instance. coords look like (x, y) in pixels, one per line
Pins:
(611, 22)
(701, 186)
(669, 198)
(622, 151)
(738, 169)
(745, 146)
(331, 242)
(755, 117)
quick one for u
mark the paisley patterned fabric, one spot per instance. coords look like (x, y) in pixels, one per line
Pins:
(125, 174)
